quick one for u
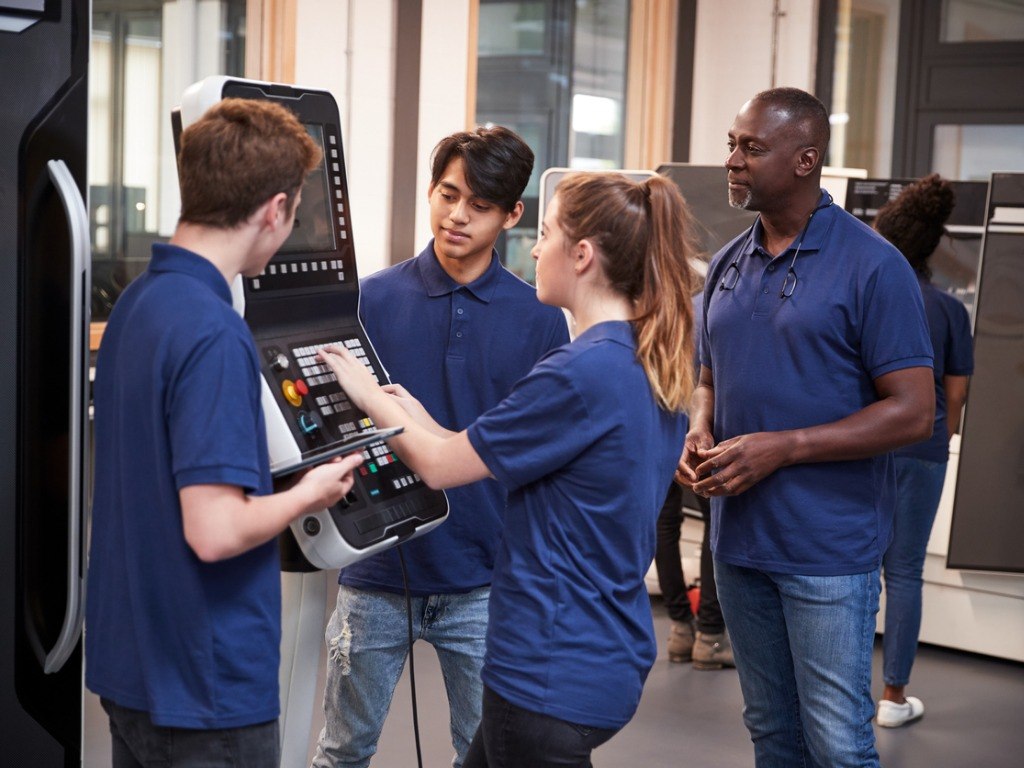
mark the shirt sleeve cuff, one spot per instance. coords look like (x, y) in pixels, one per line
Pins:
(902, 363)
(490, 458)
(243, 478)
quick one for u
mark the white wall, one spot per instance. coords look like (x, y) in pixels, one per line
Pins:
(444, 67)
(347, 47)
(733, 61)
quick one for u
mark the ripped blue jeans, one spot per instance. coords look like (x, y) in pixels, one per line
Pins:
(367, 642)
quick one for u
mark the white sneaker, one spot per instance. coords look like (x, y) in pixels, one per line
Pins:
(893, 715)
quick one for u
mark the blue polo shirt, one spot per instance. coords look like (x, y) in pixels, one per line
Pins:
(950, 329)
(458, 349)
(177, 399)
(855, 314)
(586, 455)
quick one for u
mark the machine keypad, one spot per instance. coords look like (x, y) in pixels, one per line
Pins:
(328, 397)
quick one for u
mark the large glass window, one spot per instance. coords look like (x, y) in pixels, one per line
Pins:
(599, 84)
(863, 85)
(554, 71)
(972, 152)
(143, 54)
(981, 21)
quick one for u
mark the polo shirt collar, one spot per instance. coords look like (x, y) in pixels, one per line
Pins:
(173, 258)
(811, 240)
(439, 283)
(620, 331)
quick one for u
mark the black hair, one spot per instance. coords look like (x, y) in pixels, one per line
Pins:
(496, 161)
(915, 219)
(805, 108)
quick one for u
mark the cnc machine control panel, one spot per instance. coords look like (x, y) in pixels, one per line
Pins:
(305, 299)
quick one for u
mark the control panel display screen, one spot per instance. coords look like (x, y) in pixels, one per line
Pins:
(313, 231)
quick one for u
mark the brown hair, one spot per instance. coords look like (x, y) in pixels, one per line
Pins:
(915, 219)
(645, 238)
(237, 156)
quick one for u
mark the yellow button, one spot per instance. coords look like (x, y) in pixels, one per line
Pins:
(290, 393)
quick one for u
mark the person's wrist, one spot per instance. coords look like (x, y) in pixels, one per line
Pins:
(791, 445)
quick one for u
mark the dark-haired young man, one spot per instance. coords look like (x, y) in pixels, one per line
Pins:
(183, 617)
(815, 365)
(457, 330)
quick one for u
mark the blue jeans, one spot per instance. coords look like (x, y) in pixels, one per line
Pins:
(137, 743)
(803, 649)
(918, 490)
(367, 641)
(513, 737)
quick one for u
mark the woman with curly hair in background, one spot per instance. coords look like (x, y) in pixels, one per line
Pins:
(914, 222)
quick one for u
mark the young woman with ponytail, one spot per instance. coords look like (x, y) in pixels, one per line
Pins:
(586, 445)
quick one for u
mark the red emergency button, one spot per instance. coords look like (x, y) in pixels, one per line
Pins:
(291, 393)
(301, 388)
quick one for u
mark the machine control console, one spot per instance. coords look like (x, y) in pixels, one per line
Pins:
(306, 298)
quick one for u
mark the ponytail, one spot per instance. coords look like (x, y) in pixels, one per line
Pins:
(664, 321)
(645, 236)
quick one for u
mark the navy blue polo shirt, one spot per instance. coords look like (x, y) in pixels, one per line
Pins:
(458, 349)
(586, 455)
(950, 328)
(855, 314)
(177, 398)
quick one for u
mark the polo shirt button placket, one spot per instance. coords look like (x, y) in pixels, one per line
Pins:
(458, 321)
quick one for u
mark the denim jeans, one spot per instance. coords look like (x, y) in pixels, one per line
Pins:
(803, 649)
(137, 743)
(918, 490)
(367, 641)
(513, 737)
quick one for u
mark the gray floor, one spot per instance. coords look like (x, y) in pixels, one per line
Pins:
(974, 717)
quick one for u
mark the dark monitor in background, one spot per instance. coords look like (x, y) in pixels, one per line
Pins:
(706, 191)
(313, 231)
(987, 528)
(955, 261)
(552, 176)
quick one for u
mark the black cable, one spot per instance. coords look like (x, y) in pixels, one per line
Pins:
(412, 667)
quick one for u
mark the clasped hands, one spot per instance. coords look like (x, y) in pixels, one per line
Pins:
(730, 467)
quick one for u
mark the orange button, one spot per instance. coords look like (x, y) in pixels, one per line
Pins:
(290, 393)
(301, 388)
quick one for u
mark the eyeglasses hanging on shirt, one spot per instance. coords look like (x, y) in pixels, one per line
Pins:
(732, 272)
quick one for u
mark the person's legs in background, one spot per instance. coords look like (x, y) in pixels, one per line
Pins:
(711, 649)
(669, 566)
(919, 489)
